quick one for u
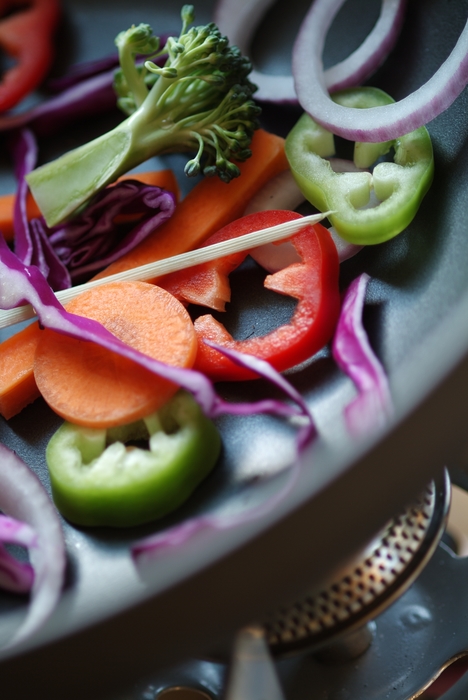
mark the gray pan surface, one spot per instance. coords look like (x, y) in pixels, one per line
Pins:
(113, 625)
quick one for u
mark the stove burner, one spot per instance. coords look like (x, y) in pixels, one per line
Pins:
(415, 638)
(363, 589)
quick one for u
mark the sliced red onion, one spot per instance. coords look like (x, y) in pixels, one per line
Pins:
(375, 124)
(15, 576)
(23, 497)
(345, 249)
(282, 192)
(373, 51)
(14, 531)
(353, 354)
(239, 19)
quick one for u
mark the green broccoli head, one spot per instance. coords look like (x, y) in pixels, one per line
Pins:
(200, 93)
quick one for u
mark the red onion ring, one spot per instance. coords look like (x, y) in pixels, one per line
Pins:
(375, 124)
(16, 576)
(239, 19)
(23, 497)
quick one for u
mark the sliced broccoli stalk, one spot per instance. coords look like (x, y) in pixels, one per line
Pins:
(199, 101)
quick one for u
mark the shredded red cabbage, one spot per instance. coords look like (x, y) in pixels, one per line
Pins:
(354, 355)
(90, 241)
(263, 369)
(31, 242)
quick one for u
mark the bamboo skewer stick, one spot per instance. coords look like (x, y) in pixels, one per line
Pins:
(173, 264)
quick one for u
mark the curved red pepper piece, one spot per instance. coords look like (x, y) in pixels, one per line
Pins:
(314, 282)
(26, 36)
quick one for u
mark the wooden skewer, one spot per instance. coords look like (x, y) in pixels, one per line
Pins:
(174, 263)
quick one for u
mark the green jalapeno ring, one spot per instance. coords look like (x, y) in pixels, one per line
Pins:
(98, 479)
(399, 185)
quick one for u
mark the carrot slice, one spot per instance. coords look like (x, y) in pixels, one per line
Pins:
(210, 205)
(91, 386)
(158, 178)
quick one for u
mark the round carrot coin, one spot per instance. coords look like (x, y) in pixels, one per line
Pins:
(92, 386)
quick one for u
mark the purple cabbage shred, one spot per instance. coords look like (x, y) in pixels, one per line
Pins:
(90, 241)
(356, 358)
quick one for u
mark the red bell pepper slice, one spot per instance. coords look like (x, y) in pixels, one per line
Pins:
(314, 282)
(26, 36)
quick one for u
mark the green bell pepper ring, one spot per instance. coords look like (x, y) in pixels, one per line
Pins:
(399, 185)
(97, 479)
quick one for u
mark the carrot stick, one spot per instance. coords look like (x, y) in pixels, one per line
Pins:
(7, 202)
(18, 386)
(91, 386)
(159, 178)
(210, 205)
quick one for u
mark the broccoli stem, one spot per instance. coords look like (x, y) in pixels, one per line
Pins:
(63, 186)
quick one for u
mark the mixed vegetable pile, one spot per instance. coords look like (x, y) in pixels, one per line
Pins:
(124, 364)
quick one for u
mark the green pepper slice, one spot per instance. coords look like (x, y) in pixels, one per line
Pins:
(98, 479)
(399, 185)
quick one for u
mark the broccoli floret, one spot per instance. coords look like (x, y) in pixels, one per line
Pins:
(199, 100)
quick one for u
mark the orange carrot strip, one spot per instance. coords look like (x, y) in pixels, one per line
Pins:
(7, 202)
(210, 205)
(94, 387)
(159, 178)
(18, 386)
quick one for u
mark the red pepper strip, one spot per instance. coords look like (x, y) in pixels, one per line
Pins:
(208, 284)
(314, 282)
(26, 36)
